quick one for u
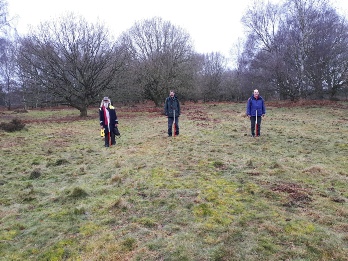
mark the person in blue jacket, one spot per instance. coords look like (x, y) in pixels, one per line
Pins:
(108, 121)
(255, 106)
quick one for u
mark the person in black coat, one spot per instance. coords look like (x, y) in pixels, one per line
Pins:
(172, 111)
(108, 121)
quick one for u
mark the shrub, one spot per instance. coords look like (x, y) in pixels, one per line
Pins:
(14, 125)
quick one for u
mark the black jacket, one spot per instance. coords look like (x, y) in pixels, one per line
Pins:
(112, 114)
(171, 105)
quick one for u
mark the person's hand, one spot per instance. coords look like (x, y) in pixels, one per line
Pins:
(263, 115)
(101, 126)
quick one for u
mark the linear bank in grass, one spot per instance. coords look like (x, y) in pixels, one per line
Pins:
(212, 193)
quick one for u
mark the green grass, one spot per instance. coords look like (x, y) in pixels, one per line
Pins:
(212, 193)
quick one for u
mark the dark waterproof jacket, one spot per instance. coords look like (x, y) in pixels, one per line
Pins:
(112, 114)
(254, 105)
(171, 105)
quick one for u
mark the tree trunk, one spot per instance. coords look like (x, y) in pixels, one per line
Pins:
(9, 105)
(83, 112)
(319, 94)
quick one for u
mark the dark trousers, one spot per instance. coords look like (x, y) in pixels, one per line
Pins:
(253, 121)
(112, 137)
(170, 126)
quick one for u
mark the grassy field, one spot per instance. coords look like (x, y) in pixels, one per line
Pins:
(212, 193)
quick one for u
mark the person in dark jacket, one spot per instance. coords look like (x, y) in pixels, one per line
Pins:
(172, 110)
(108, 121)
(255, 106)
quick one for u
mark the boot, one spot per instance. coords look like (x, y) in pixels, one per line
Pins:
(113, 139)
(106, 140)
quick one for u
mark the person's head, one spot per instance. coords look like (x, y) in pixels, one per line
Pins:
(105, 102)
(171, 93)
(256, 93)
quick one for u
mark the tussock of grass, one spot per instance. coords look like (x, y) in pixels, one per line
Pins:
(57, 162)
(314, 170)
(79, 211)
(116, 179)
(119, 204)
(35, 174)
(78, 193)
(212, 193)
(129, 243)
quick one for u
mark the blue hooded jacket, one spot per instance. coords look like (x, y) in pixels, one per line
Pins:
(254, 105)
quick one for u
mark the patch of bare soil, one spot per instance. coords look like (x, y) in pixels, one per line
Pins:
(296, 194)
(197, 115)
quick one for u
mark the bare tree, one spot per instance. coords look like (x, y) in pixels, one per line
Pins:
(8, 70)
(7, 57)
(301, 53)
(4, 22)
(212, 73)
(161, 56)
(326, 67)
(262, 20)
(260, 65)
(75, 61)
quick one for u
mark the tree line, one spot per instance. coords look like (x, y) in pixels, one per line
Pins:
(295, 49)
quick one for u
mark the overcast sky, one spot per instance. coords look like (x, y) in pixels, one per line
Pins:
(214, 25)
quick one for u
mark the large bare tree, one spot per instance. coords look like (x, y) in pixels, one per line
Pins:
(161, 56)
(74, 60)
(298, 49)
